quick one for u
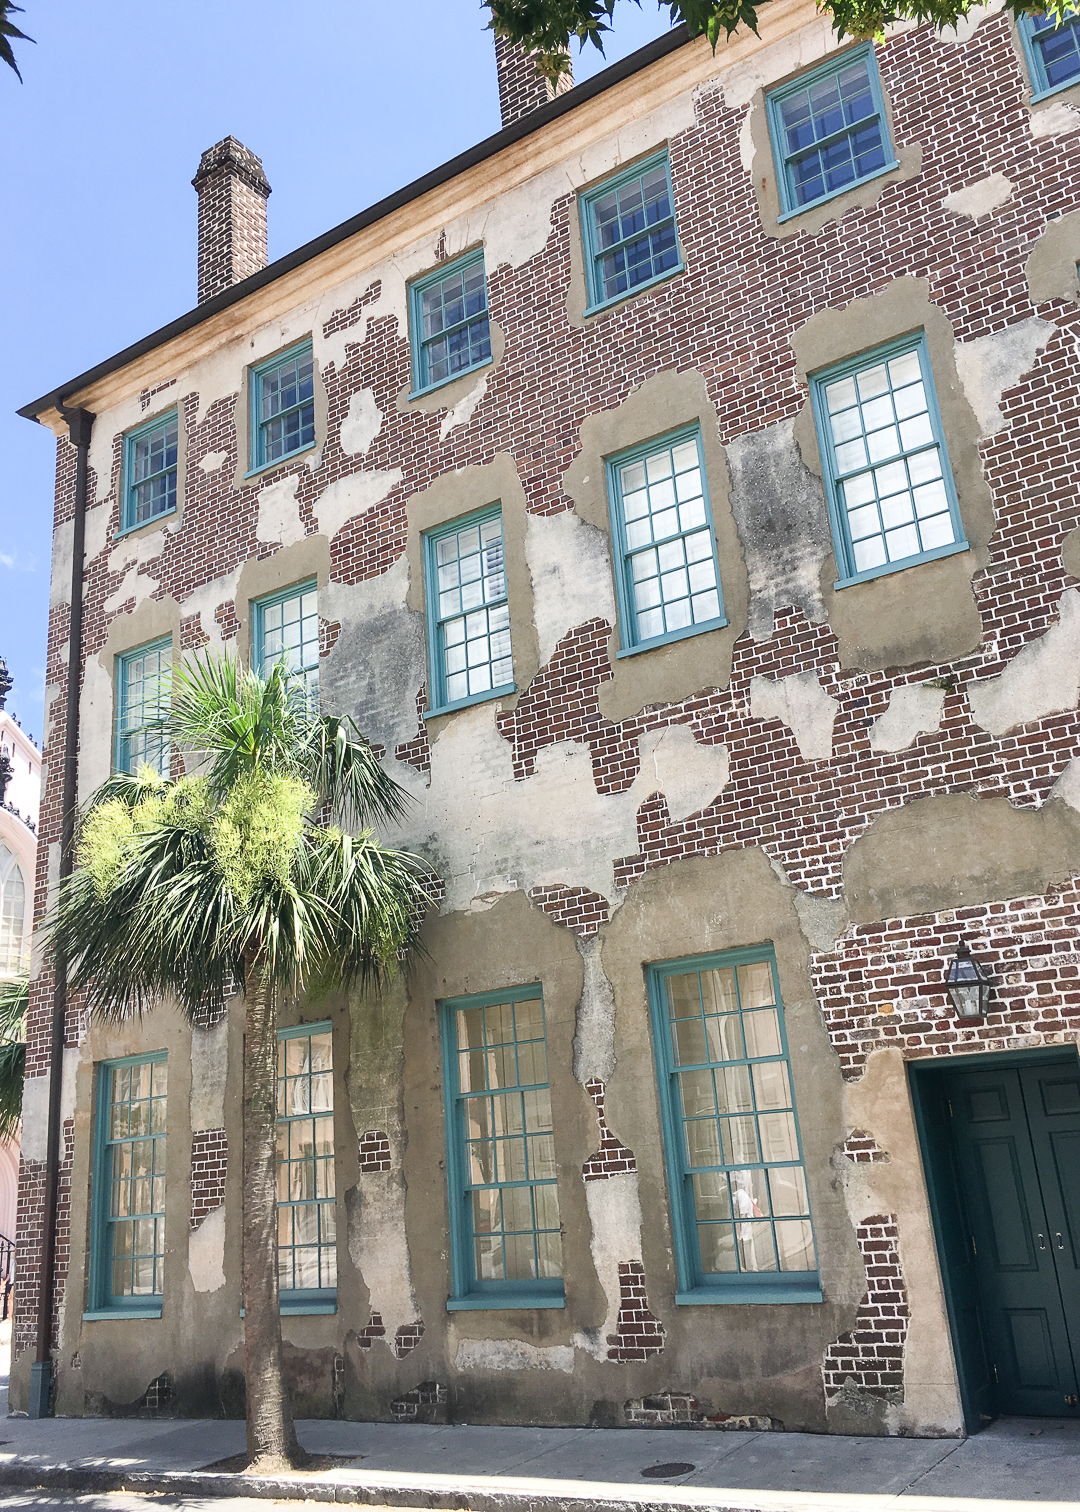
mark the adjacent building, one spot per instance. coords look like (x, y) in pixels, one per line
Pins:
(681, 488)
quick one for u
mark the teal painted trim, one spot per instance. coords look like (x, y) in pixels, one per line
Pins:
(259, 607)
(286, 461)
(123, 662)
(127, 523)
(121, 1314)
(692, 1288)
(519, 1301)
(302, 1031)
(293, 1304)
(595, 302)
(782, 160)
(437, 703)
(675, 635)
(837, 516)
(420, 384)
(255, 373)
(629, 644)
(714, 1296)
(621, 299)
(101, 1303)
(1032, 35)
(146, 524)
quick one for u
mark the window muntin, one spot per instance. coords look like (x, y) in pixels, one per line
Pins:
(829, 131)
(629, 232)
(504, 1202)
(1052, 52)
(283, 406)
(451, 331)
(12, 911)
(887, 470)
(669, 584)
(142, 708)
(307, 1210)
(287, 629)
(468, 611)
(129, 1248)
(738, 1185)
(150, 471)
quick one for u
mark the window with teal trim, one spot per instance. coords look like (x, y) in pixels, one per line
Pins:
(283, 406)
(150, 463)
(506, 1241)
(468, 612)
(668, 583)
(628, 227)
(307, 1194)
(450, 329)
(740, 1210)
(142, 708)
(1052, 52)
(287, 630)
(829, 130)
(128, 1241)
(891, 496)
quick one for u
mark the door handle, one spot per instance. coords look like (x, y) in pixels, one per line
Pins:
(1042, 1241)
(1060, 1240)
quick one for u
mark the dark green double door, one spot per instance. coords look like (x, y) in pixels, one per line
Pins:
(1013, 1255)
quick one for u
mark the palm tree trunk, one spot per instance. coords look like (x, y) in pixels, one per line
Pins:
(271, 1436)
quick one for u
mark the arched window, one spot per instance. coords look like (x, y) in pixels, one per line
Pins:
(12, 911)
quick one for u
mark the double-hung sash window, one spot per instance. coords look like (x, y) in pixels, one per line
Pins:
(287, 630)
(468, 611)
(142, 708)
(282, 406)
(128, 1249)
(150, 468)
(629, 234)
(506, 1242)
(12, 911)
(740, 1211)
(668, 579)
(829, 131)
(307, 1212)
(887, 475)
(450, 329)
(1052, 52)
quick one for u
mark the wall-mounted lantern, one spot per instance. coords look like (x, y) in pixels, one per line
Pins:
(967, 984)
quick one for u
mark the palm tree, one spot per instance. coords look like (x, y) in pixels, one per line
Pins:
(235, 872)
(14, 999)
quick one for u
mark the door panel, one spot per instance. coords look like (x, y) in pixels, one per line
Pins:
(1052, 1098)
(1002, 1191)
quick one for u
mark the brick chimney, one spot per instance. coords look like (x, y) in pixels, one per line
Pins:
(522, 87)
(232, 191)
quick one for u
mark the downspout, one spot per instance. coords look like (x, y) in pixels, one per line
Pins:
(80, 424)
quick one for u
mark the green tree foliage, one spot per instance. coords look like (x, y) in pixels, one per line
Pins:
(14, 997)
(259, 865)
(547, 27)
(10, 32)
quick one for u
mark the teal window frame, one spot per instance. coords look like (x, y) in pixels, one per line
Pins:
(1035, 32)
(122, 735)
(102, 1303)
(835, 478)
(421, 365)
(630, 641)
(438, 700)
(305, 671)
(592, 239)
(467, 1292)
(169, 471)
(695, 1287)
(260, 422)
(785, 159)
(306, 1300)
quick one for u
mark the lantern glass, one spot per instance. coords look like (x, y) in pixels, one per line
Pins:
(968, 985)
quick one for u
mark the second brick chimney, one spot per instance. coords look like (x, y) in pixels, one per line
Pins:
(522, 87)
(232, 191)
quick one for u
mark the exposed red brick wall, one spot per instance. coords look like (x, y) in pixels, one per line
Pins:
(578, 908)
(209, 1168)
(870, 1359)
(612, 1158)
(638, 1335)
(374, 1151)
(863, 1148)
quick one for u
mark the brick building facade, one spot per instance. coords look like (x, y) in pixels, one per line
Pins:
(839, 751)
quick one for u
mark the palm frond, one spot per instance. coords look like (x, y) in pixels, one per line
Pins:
(14, 1001)
(344, 769)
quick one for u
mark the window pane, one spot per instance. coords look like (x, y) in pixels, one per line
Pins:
(142, 709)
(289, 634)
(832, 133)
(633, 232)
(473, 613)
(133, 1114)
(454, 333)
(307, 1228)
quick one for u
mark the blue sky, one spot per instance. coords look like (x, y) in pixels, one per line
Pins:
(343, 100)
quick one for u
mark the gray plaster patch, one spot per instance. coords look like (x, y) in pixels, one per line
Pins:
(380, 694)
(1067, 787)
(513, 1354)
(594, 1032)
(206, 1252)
(209, 1075)
(823, 921)
(615, 1220)
(783, 523)
(361, 425)
(1057, 119)
(690, 775)
(213, 461)
(464, 409)
(991, 364)
(914, 709)
(279, 512)
(351, 496)
(35, 1109)
(803, 705)
(1042, 678)
(378, 1247)
(980, 198)
(570, 566)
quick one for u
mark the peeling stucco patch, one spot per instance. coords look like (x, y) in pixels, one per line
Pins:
(351, 496)
(361, 425)
(980, 198)
(803, 705)
(213, 461)
(570, 567)
(513, 1354)
(279, 512)
(690, 775)
(1056, 120)
(209, 1075)
(1067, 787)
(991, 364)
(464, 409)
(594, 1033)
(206, 1253)
(966, 26)
(35, 1108)
(1041, 679)
(914, 709)
(615, 1220)
(375, 1213)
